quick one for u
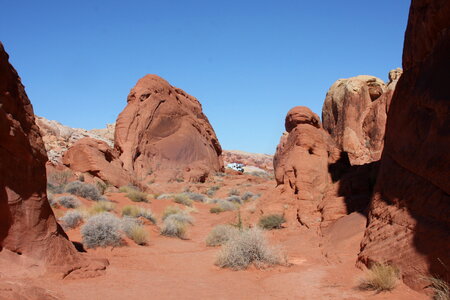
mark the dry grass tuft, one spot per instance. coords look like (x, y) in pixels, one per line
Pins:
(440, 288)
(220, 235)
(380, 277)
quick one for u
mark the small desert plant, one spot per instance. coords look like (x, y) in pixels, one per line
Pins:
(227, 205)
(84, 190)
(102, 206)
(72, 219)
(216, 210)
(134, 230)
(233, 192)
(136, 212)
(196, 197)
(170, 210)
(380, 277)
(270, 222)
(68, 201)
(128, 189)
(164, 196)
(101, 230)
(175, 224)
(183, 199)
(440, 288)
(81, 177)
(59, 178)
(101, 186)
(212, 190)
(247, 247)
(235, 199)
(220, 234)
(137, 196)
(247, 196)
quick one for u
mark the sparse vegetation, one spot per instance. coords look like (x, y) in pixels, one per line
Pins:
(247, 247)
(102, 206)
(380, 277)
(101, 230)
(164, 196)
(234, 192)
(212, 190)
(223, 205)
(84, 190)
(72, 219)
(441, 289)
(220, 235)
(68, 201)
(235, 199)
(247, 196)
(134, 230)
(183, 199)
(57, 180)
(170, 210)
(196, 197)
(101, 186)
(270, 222)
(136, 212)
(216, 210)
(137, 196)
(51, 200)
(129, 189)
(175, 225)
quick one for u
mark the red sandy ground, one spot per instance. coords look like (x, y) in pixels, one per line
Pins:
(171, 268)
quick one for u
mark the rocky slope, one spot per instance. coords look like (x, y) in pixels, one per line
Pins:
(261, 161)
(28, 229)
(163, 132)
(409, 222)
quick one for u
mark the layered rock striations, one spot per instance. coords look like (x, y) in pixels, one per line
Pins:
(163, 132)
(409, 219)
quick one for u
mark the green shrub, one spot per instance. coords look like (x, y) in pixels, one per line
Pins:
(247, 247)
(183, 199)
(271, 222)
(101, 230)
(137, 196)
(170, 210)
(216, 210)
(101, 206)
(84, 190)
(129, 189)
(220, 234)
(380, 277)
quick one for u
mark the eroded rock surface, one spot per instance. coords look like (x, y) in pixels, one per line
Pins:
(409, 223)
(163, 132)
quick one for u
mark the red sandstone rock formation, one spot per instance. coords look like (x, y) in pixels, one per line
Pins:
(354, 113)
(261, 161)
(409, 220)
(27, 224)
(162, 131)
(98, 159)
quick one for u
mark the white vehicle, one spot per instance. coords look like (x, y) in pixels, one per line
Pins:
(236, 167)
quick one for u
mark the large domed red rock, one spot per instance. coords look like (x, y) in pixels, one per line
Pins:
(301, 163)
(354, 113)
(98, 159)
(409, 221)
(28, 228)
(163, 131)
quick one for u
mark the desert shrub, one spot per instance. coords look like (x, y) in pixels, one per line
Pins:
(270, 222)
(136, 212)
(215, 210)
(101, 186)
(247, 196)
(134, 230)
(233, 192)
(101, 230)
(84, 190)
(81, 177)
(102, 206)
(170, 210)
(72, 219)
(235, 199)
(59, 178)
(227, 205)
(247, 247)
(129, 189)
(183, 199)
(212, 190)
(441, 289)
(220, 234)
(380, 277)
(137, 196)
(68, 201)
(196, 197)
(175, 225)
(164, 196)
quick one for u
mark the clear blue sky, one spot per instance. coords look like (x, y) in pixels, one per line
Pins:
(248, 62)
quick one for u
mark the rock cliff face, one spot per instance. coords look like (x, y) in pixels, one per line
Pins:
(27, 225)
(98, 159)
(163, 132)
(409, 223)
(354, 113)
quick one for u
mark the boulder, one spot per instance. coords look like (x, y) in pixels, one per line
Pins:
(28, 228)
(98, 159)
(409, 223)
(163, 132)
(354, 113)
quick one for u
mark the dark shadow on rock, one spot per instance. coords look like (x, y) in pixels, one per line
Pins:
(79, 246)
